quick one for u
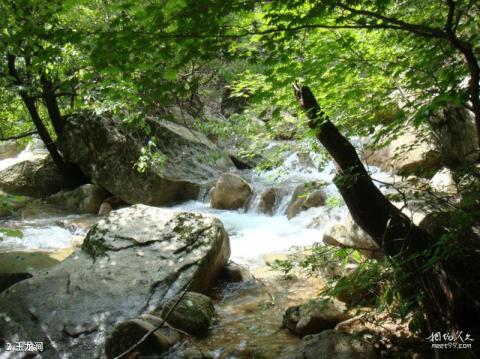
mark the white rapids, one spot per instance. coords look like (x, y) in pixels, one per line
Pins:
(252, 234)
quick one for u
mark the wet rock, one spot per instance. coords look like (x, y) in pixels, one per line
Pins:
(335, 345)
(180, 162)
(305, 160)
(187, 350)
(9, 149)
(443, 181)
(234, 273)
(231, 192)
(304, 197)
(407, 154)
(318, 222)
(105, 208)
(314, 316)
(130, 332)
(84, 199)
(270, 199)
(192, 314)
(131, 262)
(35, 178)
(78, 224)
(349, 234)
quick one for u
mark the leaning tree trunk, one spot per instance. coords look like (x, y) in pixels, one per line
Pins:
(448, 305)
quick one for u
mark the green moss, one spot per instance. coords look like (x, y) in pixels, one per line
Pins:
(94, 248)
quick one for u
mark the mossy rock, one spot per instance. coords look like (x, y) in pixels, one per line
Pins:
(192, 314)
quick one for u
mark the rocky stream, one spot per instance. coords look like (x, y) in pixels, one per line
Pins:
(80, 275)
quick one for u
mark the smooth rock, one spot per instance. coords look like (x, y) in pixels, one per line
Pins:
(349, 234)
(455, 135)
(192, 314)
(176, 165)
(305, 196)
(83, 199)
(335, 345)
(231, 192)
(409, 153)
(270, 199)
(36, 178)
(443, 181)
(105, 208)
(131, 262)
(314, 316)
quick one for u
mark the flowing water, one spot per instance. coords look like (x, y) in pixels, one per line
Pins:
(249, 314)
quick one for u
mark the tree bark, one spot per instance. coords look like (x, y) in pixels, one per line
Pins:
(71, 174)
(448, 304)
(51, 104)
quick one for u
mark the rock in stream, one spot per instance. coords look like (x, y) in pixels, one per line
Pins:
(130, 263)
(177, 163)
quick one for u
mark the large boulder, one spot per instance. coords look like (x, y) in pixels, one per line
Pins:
(130, 263)
(315, 316)
(157, 165)
(231, 192)
(335, 345)
(38, 177)
(455, 135)
(407, 154)
(304, 197)
(349, 234)
(83, 199)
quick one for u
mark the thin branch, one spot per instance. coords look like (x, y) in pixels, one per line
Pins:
(17, 137)
(418, 29)
(150, 332)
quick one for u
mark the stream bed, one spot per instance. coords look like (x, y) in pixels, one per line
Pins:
(249, 313)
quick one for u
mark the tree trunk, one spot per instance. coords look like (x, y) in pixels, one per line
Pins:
(471, 61)
(51, 104)
(448, 305)
(72, 175)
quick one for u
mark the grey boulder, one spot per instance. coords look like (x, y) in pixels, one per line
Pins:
(160, 164)
(130, 263)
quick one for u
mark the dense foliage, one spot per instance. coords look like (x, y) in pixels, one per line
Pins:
(375, 66)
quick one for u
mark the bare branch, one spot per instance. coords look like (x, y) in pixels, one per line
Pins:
(418, 29)
(17, 137)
